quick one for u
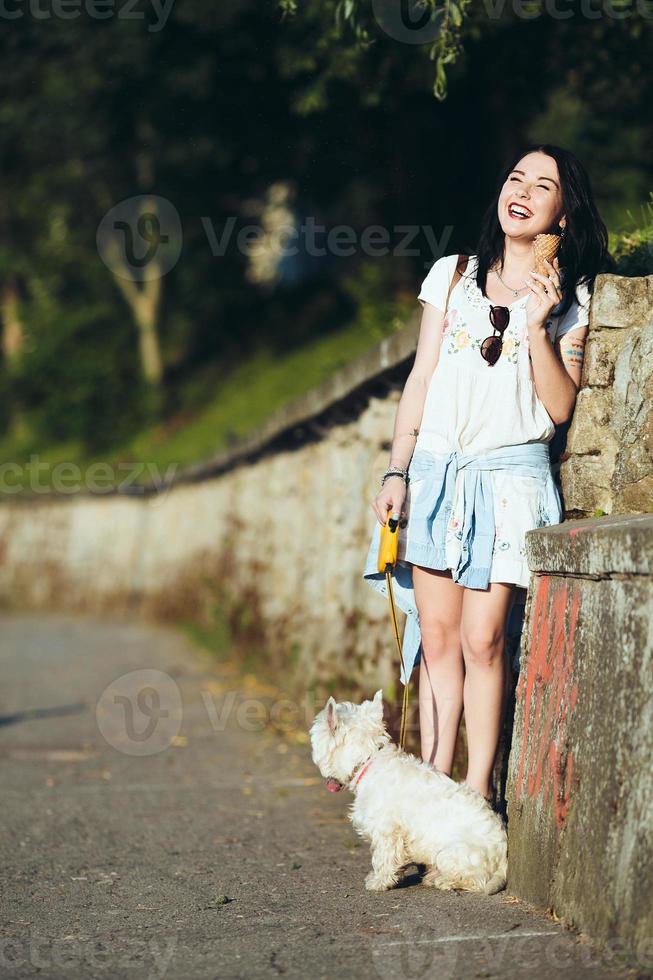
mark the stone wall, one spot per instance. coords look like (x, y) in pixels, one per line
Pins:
(580, 791)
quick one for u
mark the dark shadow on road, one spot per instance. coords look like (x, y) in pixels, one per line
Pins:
(31, 713)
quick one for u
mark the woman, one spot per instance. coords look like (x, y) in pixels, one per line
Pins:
(469, 464)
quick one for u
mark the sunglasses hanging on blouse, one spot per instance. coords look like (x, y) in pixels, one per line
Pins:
(492, 346)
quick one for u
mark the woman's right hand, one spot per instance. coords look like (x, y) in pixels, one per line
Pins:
(390, 499)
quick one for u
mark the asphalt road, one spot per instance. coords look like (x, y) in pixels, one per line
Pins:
(156, 824)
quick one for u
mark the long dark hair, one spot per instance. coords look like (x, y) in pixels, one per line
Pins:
(584, 247)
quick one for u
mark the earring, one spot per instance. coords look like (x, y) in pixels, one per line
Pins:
(563, 229)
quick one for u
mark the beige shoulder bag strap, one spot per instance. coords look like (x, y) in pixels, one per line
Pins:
(460, 268)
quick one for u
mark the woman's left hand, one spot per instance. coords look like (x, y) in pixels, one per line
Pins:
(545, 294)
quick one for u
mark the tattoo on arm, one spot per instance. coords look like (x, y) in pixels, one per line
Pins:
(397, 461)
(573, 350)
(574, 355)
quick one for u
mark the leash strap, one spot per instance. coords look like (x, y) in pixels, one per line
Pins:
(393, 614)
(386, 561)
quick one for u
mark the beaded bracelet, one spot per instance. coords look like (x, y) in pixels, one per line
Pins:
(395, 472)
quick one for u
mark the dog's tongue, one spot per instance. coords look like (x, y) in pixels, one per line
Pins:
(333, 785)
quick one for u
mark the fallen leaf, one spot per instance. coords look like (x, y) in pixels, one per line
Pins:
(221, 900)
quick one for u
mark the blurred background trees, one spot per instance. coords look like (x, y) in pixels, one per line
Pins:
(282, 115)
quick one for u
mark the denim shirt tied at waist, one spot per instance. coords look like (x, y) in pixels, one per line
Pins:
(473, 568)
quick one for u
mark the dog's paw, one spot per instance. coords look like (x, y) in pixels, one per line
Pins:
(435, 879)
(376, 883)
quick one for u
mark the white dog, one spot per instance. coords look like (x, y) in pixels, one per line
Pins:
(409, 811)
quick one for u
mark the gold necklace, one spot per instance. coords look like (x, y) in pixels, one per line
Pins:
(515, 292)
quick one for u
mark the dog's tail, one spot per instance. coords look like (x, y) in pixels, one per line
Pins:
(461, 866)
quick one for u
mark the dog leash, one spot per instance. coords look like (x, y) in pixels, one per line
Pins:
(387, 559)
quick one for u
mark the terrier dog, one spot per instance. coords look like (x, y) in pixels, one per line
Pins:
(410, 812)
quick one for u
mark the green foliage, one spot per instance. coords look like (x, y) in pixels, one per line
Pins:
(79, 378)
(447, 47)
(349, 27)
(217, 409)
(633, 247)
(378, 311)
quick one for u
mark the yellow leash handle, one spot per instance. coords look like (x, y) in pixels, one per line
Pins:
(387, 559)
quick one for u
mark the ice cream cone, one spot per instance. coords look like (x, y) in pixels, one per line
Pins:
(545, 247)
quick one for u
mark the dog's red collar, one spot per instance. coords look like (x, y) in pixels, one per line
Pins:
(362, 772)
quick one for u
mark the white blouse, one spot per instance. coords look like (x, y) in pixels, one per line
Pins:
(472, 406)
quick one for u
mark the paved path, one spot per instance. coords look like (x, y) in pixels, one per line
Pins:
(152, 827)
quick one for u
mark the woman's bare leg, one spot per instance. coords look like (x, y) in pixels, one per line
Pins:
(482, 634)
(439, 603)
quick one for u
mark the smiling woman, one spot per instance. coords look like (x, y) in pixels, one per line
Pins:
(497, 367)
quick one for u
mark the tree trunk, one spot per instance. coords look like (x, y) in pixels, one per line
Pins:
(145, 304)
(144, 300)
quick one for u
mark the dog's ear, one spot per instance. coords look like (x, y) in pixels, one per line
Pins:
(378, 702)
(375, 706)
(331, 716)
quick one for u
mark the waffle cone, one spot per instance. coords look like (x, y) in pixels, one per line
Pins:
(545, 247)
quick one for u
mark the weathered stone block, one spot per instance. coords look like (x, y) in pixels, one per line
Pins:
(613, 420)
(633, 420)
(601, 351)
(634, 498)
(620, 301)
(590, 430)
(587, 482)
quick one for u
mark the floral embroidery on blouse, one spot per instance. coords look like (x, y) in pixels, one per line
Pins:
(462, 340)
(472, 292)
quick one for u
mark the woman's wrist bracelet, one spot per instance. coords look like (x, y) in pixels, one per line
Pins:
(395, 471)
